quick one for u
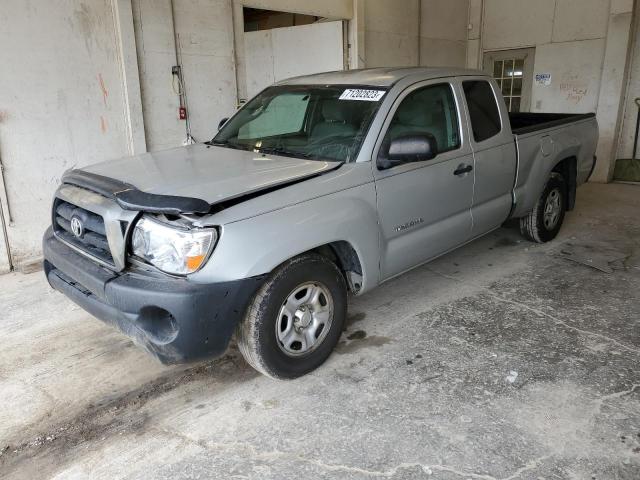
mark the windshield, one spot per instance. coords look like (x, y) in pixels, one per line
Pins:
(315, 122)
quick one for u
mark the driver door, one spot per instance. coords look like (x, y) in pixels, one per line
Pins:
(424, 207)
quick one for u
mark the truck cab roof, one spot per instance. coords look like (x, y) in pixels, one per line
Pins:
(379, 77)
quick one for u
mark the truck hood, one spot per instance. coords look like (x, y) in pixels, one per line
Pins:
(213, 174)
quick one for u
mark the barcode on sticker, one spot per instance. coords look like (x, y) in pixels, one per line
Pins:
(362, 94)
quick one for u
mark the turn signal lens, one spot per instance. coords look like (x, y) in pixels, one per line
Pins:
(193, 263)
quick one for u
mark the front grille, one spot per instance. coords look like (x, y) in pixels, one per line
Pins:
(93, 238)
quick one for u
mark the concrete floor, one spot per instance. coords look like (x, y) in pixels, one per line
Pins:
(502, 360)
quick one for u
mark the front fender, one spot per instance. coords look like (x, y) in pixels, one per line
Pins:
(256, 245)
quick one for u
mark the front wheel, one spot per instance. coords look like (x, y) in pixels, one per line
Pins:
(543, 223)
(295, 319)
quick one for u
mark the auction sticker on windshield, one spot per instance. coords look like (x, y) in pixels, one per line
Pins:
(362, 94)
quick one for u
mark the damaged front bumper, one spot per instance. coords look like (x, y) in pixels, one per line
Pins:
(174, 319)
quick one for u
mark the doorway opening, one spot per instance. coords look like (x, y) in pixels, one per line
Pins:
(280, 45)
(256, 19)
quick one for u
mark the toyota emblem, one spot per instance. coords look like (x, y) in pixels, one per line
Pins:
(76, 227)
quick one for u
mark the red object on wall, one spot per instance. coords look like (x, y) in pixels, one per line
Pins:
(182, 113)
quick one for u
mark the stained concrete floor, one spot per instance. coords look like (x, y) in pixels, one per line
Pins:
(502, 360)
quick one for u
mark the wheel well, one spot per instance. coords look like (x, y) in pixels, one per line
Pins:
(568, 169)
(346, 258)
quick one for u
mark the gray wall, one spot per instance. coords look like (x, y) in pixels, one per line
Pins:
(391, 33)
(205, 43)
(625, 148)
(569, 39)
(61, 104)
(89, 80)
(443, 32)
(415, 32)
(583, 44)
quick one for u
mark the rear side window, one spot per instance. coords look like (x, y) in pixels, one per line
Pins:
(483, 109)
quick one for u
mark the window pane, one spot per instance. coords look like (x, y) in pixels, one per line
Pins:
(497, 69)
(519, 67)
(483, 109)
(515, 104)
(284, 114)
(430, 110)
(506, 86)
(517, 86)
(508, 68)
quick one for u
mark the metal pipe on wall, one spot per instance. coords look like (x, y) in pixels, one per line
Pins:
(179, 74)
(3, 222)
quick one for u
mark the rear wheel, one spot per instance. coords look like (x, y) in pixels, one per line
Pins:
(295, 319)
(543, 223)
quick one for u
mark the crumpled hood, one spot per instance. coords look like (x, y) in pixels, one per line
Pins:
(210, 173)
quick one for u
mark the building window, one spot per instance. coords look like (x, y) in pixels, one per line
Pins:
(513, 70)
(509, 74)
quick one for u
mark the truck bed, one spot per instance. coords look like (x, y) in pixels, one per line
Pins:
(525, 122)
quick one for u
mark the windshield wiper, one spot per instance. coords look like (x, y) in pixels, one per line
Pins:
(267, 150)
(282, 151)
(224, 143)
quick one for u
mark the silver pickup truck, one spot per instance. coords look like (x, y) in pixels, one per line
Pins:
(320, 186)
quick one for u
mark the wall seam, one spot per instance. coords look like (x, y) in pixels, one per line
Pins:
(553, 20)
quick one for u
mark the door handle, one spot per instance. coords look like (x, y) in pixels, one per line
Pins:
(462, 169)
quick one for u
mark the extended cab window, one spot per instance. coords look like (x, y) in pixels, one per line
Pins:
(430, 110)
(483, 109)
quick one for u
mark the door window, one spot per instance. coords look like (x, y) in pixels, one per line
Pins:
(483, 109)
(430, 110)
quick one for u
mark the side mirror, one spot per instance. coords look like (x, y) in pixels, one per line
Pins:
(222, 122)
(408, 149)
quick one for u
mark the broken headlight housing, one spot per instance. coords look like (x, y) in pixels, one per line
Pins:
(177, 250)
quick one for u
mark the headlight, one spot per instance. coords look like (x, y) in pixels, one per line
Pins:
(172, 249)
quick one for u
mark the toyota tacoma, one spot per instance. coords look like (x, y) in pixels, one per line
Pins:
(319, 187)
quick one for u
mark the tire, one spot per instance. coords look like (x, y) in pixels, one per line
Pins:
(284, 343)
(543, 223)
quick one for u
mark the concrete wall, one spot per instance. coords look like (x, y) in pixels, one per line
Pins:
(211, 47)
(581, 43)
(625, 148)
(612, 86)
(90, 80)
(391, 33)
(443, 32)
(415, 32)
(569, 36)
(61, 104)
(205, 44)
